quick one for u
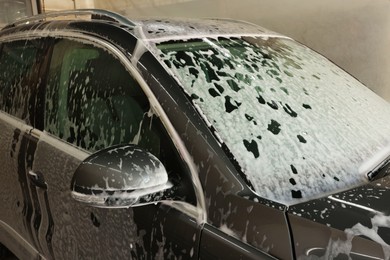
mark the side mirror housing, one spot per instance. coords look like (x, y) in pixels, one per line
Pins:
(120, 176)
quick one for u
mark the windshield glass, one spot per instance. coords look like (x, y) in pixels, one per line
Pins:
(298, 126)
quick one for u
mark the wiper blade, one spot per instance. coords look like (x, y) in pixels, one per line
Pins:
(373, 167)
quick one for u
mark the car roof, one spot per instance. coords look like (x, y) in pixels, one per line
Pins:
(152, 29)
(185, 28)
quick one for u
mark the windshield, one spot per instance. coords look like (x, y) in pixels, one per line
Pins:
(298, 126)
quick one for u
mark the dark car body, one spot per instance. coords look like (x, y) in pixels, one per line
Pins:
(105, 155)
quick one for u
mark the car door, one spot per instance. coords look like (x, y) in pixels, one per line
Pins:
(93, 102)
(20, 213)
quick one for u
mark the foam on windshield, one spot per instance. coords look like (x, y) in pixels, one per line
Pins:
(298, 126)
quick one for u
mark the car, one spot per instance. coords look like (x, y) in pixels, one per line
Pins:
(185, 139)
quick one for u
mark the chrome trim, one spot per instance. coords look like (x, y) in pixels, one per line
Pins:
(68, 148)
(35, 133)
(15, 122)
(315, 250)
(44, 136)
(25, 248)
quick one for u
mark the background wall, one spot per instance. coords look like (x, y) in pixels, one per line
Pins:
(355, 34)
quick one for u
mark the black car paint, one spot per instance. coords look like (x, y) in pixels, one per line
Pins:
(36, 208)
(341, 211)
(216, 243)
(148, 245)
(144, 216)
(225, 190)
(229, 201)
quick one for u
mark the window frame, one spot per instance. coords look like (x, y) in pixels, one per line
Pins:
(199, 211)
(79, 69)
(36, 80)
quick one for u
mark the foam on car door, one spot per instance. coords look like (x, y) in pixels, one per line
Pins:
(21, 64)
(39, 219)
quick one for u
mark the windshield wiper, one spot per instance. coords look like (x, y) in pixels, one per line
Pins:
(373, 166)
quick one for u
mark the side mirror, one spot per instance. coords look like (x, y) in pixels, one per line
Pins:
(120, 176)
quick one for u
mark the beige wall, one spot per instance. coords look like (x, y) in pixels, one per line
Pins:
(355, 34)
(54, 5)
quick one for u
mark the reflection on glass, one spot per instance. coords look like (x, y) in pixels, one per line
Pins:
(11, 10)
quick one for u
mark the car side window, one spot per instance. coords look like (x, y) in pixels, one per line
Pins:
(18, 65)
(93, 102)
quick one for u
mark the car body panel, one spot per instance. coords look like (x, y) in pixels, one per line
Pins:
(358, 216)
(93, 226)
(216, 243)
(112, 231)
(226, 218)
(16, 207)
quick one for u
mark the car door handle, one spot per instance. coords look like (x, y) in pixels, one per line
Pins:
(37, 179)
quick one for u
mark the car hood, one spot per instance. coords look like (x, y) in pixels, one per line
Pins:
(360, 211)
